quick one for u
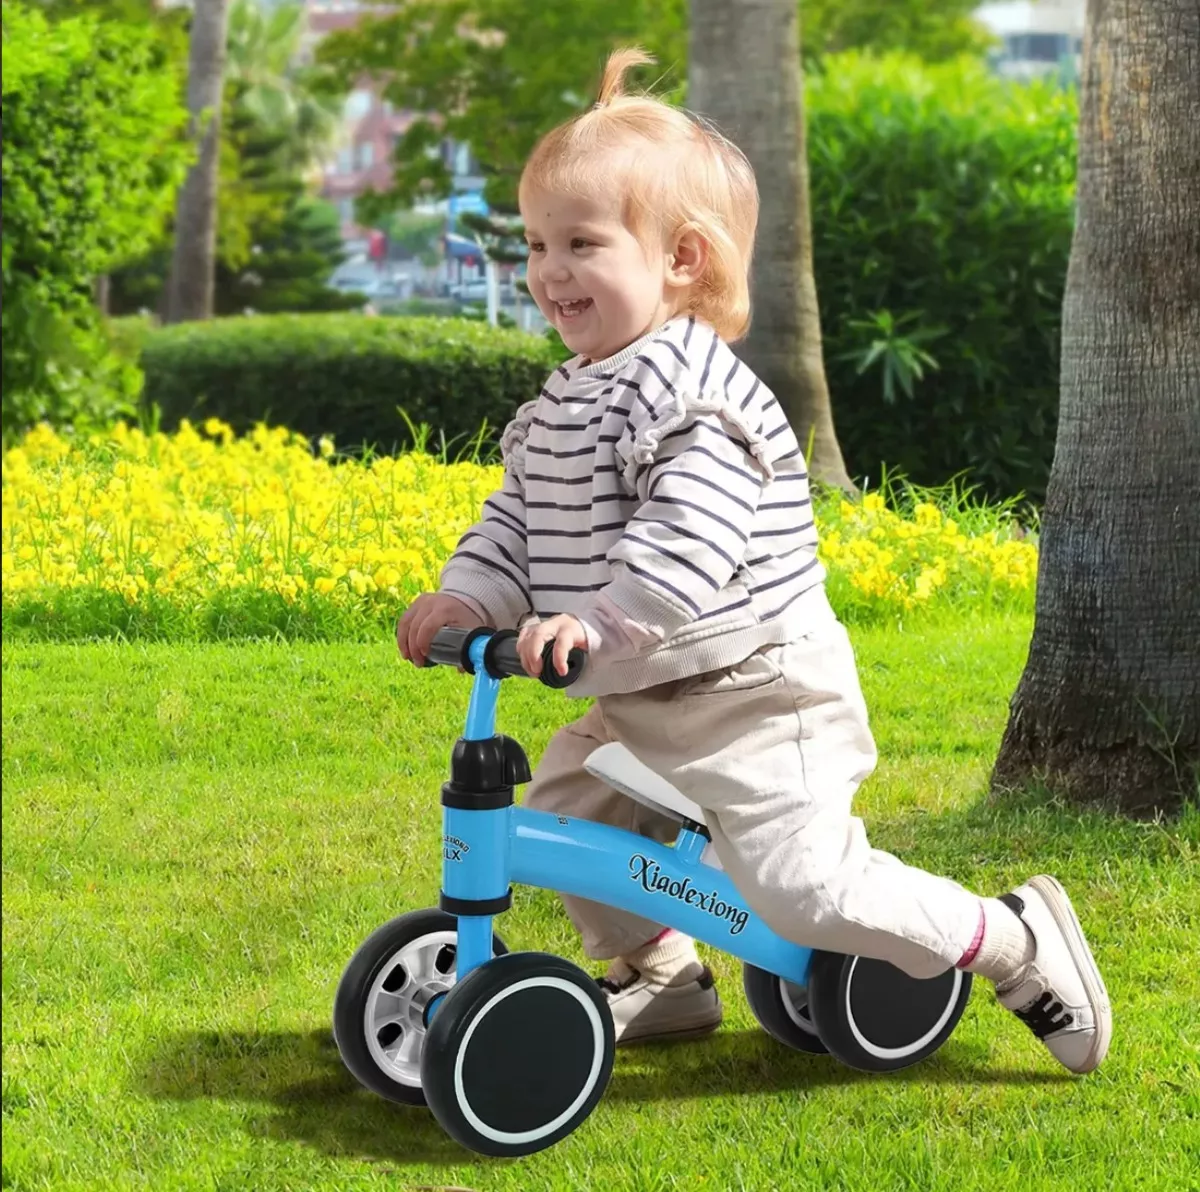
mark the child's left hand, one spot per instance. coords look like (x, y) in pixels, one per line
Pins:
(564, 631)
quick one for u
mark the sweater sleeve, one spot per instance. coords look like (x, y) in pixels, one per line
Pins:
(698, 463)
(490, 565)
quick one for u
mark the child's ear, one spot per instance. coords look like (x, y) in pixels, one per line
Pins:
(688, 258)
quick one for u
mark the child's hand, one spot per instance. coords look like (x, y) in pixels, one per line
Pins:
(564, 631)
(427, 614)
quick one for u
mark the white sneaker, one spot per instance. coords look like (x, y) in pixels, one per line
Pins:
(644, 1010)
(1060, 994)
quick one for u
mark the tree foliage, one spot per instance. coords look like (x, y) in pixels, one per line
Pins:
(276, 247)
(932, 30)
(497, 74)
(93, 155)
(273, 247)
(302, 103)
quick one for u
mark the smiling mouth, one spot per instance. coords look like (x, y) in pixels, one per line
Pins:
(573, 309)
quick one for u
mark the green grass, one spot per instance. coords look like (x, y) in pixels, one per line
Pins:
(196, 838)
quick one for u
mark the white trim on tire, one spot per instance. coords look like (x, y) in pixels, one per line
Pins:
(460, 1095)
(898, 1053)
(804, 1022)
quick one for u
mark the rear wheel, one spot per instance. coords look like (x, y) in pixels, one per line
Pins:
(781, 1009)
(875, 1017)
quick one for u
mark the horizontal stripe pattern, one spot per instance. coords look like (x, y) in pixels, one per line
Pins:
(621, 474)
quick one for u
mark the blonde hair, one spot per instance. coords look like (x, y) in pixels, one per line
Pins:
(675, 172)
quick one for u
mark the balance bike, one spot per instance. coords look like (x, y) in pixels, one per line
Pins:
(512, 1051)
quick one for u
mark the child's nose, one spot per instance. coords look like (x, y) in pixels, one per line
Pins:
(554, 268)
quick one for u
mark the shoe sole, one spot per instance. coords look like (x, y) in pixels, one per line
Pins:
(687, 1032)
(1063, 913)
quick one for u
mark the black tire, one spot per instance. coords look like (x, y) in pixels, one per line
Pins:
(876, 1018)
(782, 1010)
(518, 1054)
(379, 965)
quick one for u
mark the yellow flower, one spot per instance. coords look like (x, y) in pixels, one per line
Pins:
(187, 514)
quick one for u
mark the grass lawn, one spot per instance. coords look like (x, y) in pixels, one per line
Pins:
(197, 838)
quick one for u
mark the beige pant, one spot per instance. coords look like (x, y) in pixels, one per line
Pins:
(773, 750)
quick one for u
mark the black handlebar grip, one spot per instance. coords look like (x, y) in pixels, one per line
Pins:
(446, 649)
(551, 677)
(501, 658)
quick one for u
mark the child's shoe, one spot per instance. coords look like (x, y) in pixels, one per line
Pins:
(1060, 994)
(644, 1010)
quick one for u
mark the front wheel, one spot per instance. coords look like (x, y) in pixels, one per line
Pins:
(380, 1010)
(518, 1054)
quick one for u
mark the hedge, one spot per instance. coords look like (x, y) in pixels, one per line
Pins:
(345, 375)
(943, 206)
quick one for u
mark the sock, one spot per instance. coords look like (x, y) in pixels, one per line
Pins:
(1003, 946)
(668, 959)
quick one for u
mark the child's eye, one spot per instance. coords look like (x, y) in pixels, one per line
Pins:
(536, 246)
(579, 243)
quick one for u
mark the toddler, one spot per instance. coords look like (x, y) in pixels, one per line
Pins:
(655, 511)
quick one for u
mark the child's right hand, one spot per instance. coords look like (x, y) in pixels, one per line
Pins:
(427, 614)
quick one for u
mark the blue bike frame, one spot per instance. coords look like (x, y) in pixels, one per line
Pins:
(485, 852)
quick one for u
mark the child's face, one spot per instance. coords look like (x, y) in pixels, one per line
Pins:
(595, 282)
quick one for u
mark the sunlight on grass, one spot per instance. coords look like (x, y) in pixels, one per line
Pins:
(197, 838)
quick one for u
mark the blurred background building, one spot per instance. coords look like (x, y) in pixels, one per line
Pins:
(1037, 37)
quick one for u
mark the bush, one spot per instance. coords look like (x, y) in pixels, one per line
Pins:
(349, 376)
(92, 160)
(942, 201)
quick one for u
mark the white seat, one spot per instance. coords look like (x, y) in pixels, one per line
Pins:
(615, 765)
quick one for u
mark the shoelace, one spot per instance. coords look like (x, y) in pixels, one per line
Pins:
(1045, 1016)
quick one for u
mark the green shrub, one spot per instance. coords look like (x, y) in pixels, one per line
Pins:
(942, 201)
(92, 160)
(349, 376)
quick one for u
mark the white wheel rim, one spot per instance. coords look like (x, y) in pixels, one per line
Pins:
(538, 1132)
(899, 1053)
(795, 1006)
(405, 1007)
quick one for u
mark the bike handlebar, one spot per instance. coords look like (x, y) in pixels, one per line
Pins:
(451, 647)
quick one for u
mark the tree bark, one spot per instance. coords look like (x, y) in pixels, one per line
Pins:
(1108, 708)
(744, 74)
(191, 280)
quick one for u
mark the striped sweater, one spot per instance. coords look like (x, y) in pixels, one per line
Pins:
(664, 481)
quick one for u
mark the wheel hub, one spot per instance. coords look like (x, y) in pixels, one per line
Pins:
(394, 1014)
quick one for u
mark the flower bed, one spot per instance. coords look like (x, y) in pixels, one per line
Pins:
(202, 534)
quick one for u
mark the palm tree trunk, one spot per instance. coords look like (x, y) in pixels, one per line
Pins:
(744, 74)
(190, 284)
(1108, 709)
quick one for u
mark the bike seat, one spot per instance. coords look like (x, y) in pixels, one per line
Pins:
(615, 765)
